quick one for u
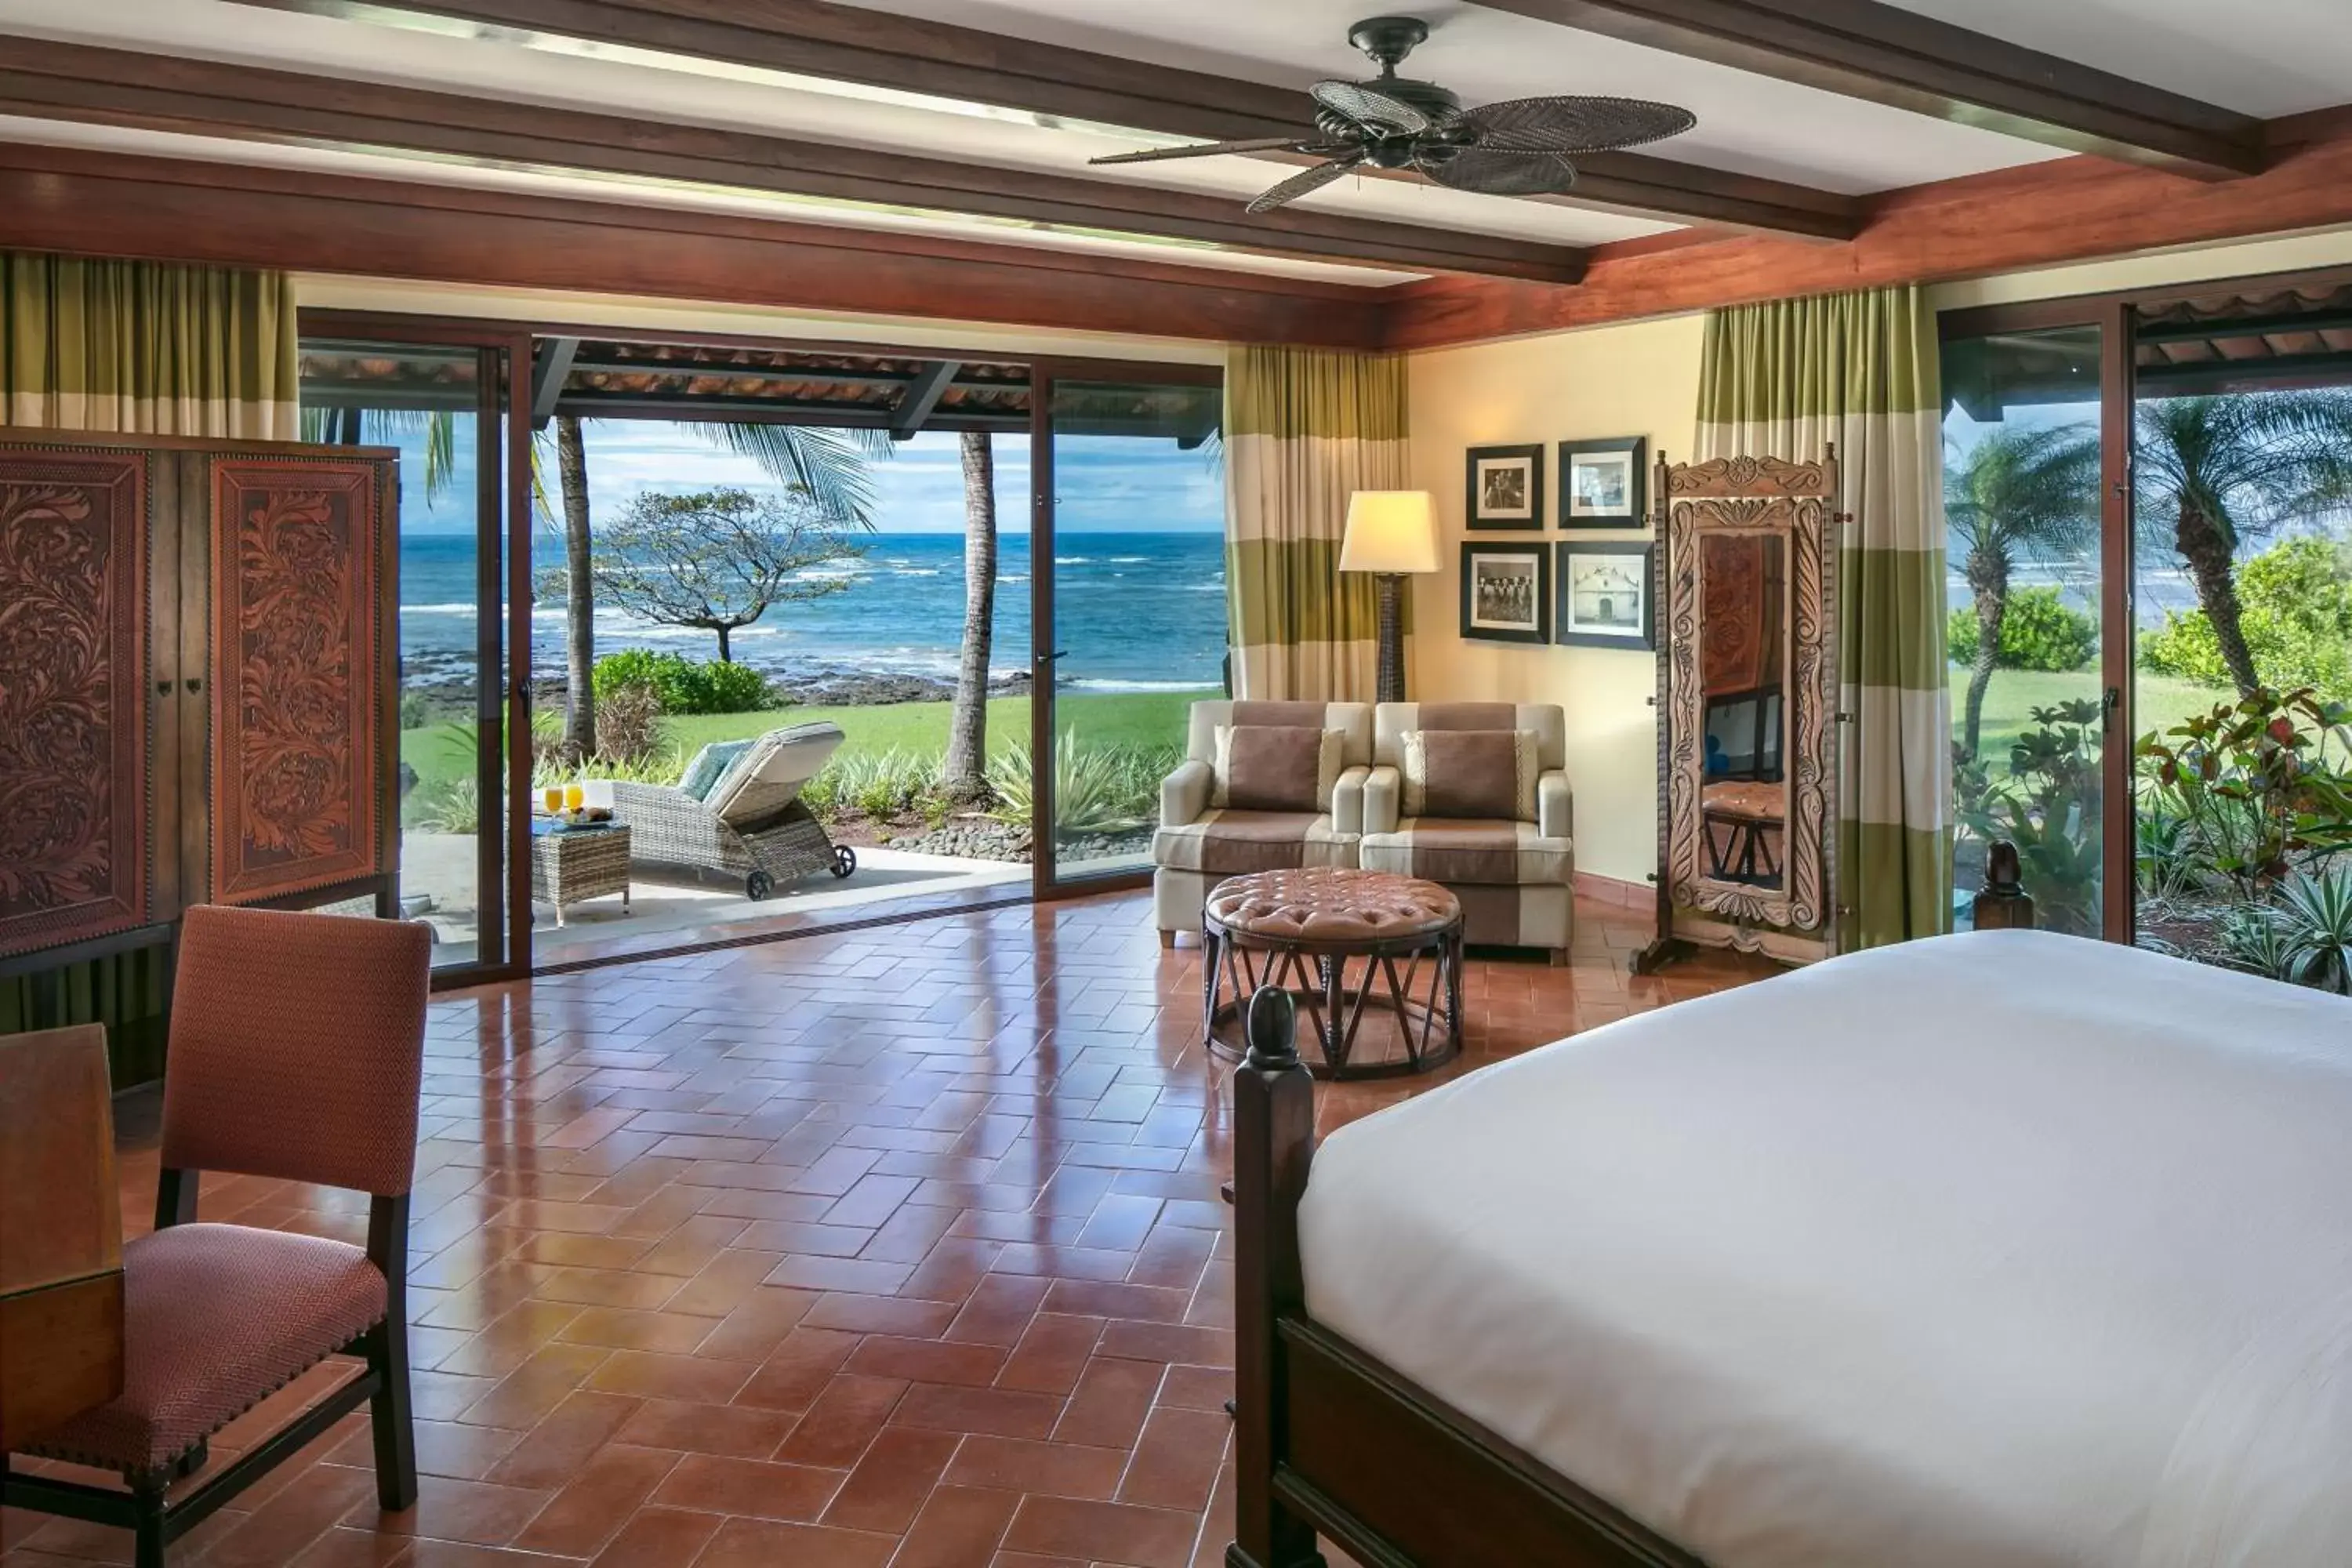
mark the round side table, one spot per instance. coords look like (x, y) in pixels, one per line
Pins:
(1299, 929)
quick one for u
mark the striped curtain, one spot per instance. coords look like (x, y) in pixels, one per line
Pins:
(1783, 379)
(146, 347)
(1305, 428)
(143, 348)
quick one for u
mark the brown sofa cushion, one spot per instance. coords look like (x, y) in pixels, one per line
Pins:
(1473, 775)
(1269, 767)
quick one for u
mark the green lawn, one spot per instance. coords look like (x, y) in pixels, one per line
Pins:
(2158, 701)
(1137, 718)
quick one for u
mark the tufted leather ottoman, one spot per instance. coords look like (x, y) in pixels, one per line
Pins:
(1300, 929)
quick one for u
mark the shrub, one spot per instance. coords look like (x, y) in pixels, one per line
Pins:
(2296, 608)
(415, 714)
(454, 805)
(628, 723)
(2263, 784)
(685, 685)
(2039, 630)
(876, 784)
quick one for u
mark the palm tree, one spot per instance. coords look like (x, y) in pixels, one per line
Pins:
(2227, 469)
(578, 605)
(358, 427)
(2017, 489)
(964, 775)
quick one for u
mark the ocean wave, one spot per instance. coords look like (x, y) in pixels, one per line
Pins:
(462, 609)
(1106, 685)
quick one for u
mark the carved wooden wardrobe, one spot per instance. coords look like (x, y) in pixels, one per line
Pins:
(197, 684)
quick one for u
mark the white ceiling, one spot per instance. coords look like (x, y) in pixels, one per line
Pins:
(2299, 59)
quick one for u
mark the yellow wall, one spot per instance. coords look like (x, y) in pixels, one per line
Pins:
(1641, 379)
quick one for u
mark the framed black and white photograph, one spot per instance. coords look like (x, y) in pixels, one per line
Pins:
(1506, 488)
(1604, 484)
(1506, 592)
(1605, 596)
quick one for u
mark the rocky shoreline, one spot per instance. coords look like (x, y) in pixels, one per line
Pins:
(442, 685)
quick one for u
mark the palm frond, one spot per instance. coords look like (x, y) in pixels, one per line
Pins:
(2248, 461)
(831, 467)
(389, 427)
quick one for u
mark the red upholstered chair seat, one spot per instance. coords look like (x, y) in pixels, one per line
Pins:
(215, 1318)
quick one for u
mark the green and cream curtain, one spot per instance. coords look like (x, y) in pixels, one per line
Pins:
(1305, 428)
(143, 348)
(1784, 380)
(146, 347)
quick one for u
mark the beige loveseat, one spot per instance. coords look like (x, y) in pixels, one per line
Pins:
(1200, 843)
(1512, 864)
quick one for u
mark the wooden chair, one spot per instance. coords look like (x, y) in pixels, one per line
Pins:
(297, 1048)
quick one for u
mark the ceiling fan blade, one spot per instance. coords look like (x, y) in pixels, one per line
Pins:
(1570, 125)
(1493, 173)
(1306, 180)
(1364, 104)
(1304, 140)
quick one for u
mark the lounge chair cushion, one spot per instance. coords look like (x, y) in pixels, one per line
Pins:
(216, 1317)
(710, 765)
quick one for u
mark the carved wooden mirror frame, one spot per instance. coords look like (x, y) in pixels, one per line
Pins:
(1750, 496)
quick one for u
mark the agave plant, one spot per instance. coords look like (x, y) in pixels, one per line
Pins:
(2315, 916)
(1097, 789)
(2254, 938)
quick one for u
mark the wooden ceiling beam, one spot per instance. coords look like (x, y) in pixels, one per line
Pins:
(922, 398)
(883, 48)
(2011, 220)
(1884, 54)
(125, 87)
(88, 203)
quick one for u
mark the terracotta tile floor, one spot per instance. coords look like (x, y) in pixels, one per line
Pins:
(901, 1246)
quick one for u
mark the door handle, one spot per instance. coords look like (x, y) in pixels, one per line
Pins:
(1050, 658)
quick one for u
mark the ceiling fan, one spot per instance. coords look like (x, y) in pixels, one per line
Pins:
(1519, 147)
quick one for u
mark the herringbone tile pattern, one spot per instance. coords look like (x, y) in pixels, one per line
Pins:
(897, 1247)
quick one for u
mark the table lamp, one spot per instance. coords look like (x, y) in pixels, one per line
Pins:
(1390, 533)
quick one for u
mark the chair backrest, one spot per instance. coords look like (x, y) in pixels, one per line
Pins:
(1352, 719)
(769, 777)
(297, 1048)
(1547, 720)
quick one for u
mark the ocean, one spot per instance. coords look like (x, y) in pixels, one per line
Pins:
(1137, 612)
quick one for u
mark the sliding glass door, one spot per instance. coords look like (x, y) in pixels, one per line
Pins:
(1128, 604)
(2034, 722)
(440, 404)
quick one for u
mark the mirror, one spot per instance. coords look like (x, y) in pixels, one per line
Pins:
(1743, 673)
(1746, 703)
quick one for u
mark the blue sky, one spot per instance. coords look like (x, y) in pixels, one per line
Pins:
(1106, 483)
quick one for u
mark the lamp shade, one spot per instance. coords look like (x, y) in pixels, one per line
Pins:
(1390, 530)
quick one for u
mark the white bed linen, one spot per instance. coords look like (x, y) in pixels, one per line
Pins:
(1991, 1251)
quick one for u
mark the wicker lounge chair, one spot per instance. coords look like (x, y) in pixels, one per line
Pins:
(750, 825)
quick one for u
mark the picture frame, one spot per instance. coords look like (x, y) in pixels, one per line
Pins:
(1506, 592)
(1503, 488)
(1605, 483)
(1592, 582)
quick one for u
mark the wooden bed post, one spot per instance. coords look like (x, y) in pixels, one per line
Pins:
(1274, 1143)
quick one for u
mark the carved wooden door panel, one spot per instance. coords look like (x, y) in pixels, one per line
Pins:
(296, 651)
(73, 694)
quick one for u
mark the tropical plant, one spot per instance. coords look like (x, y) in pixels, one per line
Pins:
(2253, 938)
(453, 806)
(2040, 631)
(2315, 913)
(388, 427)
(2222, 471)
(965, 773)
(2295, 609)
(1097, 789)
(2049, 807)
(717, 560)
(2015, 491)
(2263, 782)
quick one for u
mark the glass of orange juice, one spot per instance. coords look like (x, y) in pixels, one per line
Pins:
(574, 797)
(553, 798)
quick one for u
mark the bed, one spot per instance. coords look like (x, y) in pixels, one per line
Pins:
(1999, 1250)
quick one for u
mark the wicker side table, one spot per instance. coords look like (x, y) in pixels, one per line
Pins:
(578, 864)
